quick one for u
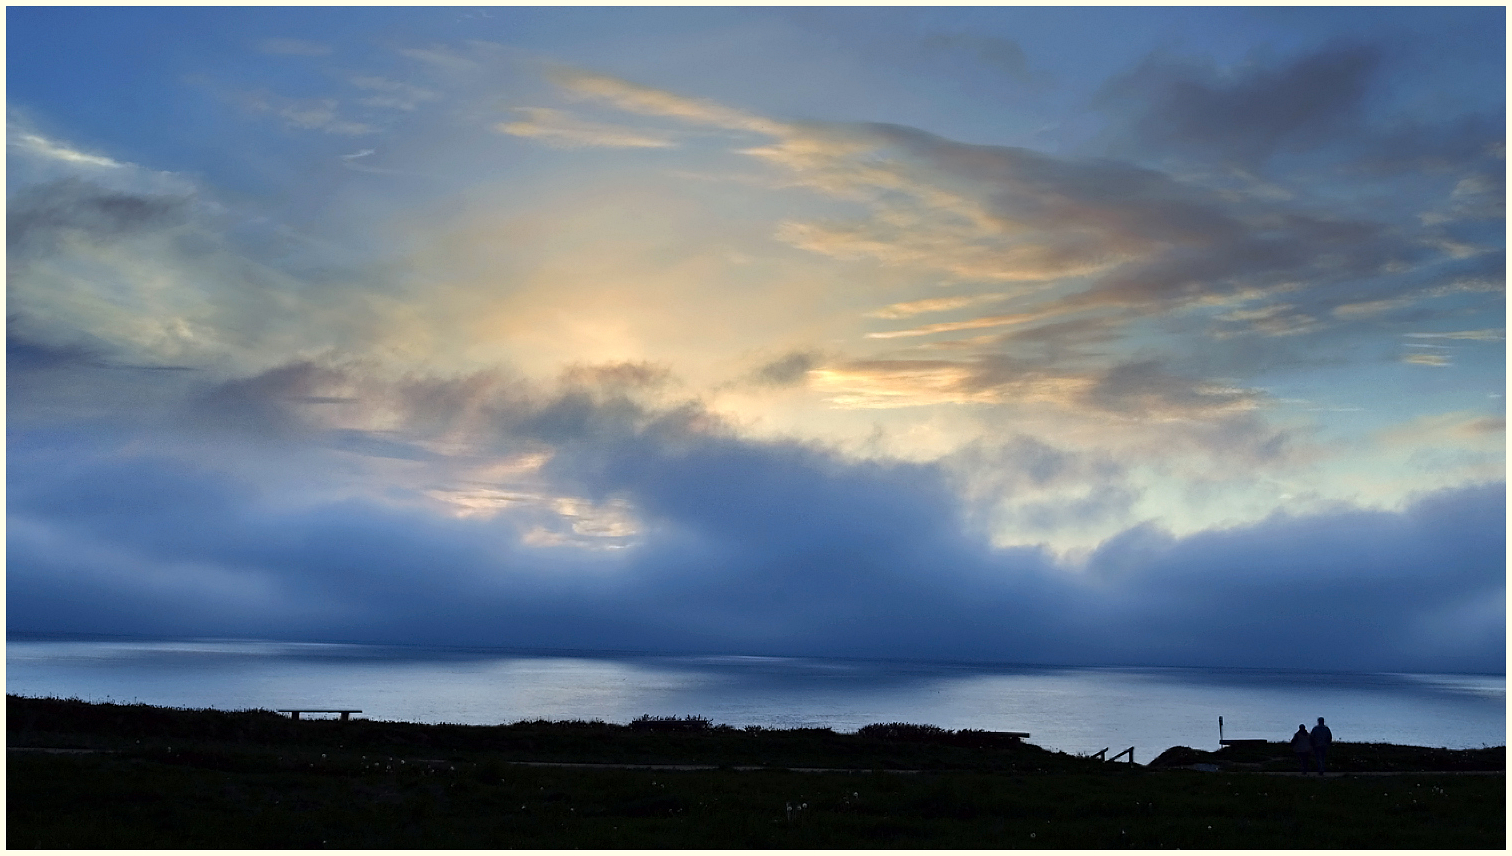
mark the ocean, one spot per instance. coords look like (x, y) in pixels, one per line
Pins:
(1073, 709)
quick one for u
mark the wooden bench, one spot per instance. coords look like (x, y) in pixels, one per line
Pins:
(294, 714)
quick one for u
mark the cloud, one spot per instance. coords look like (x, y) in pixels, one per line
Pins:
(1028, 486)
(34, 158)
(952, 326)
(1247, 113)
(556, 128)
(1282, 319)
(1456, 428)
(307, 114)
(789, 370)
(910, 308)
(1467, 285)
(622, 376)
(38, 145)
(1472, 141)
(723, 544)
(1489, 335)
(391, 94)
(41, 216)
(647, 101)
(1091, 235)
(441, 57)
(916, 383)
(1142, 388)
(221, 425)
(1134, 390)
(1370, 308)
(1314, 575)
(148, 269)
(1124, 238)
(1426, 359)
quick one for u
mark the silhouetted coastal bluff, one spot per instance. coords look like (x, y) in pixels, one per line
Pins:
(85, 775)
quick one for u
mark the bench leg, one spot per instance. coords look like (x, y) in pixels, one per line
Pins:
(345, 715)
(294, 714)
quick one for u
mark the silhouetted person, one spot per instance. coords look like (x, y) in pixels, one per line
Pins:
(1302, 746)
(1322, 738)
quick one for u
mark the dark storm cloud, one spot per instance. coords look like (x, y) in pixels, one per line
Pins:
(759, 547)
(1246, 115)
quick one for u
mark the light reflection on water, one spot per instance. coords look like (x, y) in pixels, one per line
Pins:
(1072, 709)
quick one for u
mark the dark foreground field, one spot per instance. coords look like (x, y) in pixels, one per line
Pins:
(160, 778)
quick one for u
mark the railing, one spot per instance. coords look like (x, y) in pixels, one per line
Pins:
(1101, 754)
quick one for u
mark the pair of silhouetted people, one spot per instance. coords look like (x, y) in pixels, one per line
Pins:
(1312, 746)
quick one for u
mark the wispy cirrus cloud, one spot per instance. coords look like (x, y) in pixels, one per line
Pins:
(307, 114)
(40, 146)
(441, 57)
(1422, 359)
(391, 94)
(1131, 238)
(1134, 390)
(910, 308)
(953, 326)
(648, 101)
(561, 129)
(34, 145)
(1496, 334)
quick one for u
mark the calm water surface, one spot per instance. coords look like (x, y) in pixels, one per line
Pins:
(1071, 709)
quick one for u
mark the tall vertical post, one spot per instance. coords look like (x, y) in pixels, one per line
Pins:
(1220, 731)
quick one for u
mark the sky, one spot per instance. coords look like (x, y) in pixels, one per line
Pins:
(1109, 336)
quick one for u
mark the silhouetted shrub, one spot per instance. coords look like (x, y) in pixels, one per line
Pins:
(903, 731)
(647, 722)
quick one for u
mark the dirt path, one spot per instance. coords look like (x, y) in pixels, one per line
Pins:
(749, 769)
